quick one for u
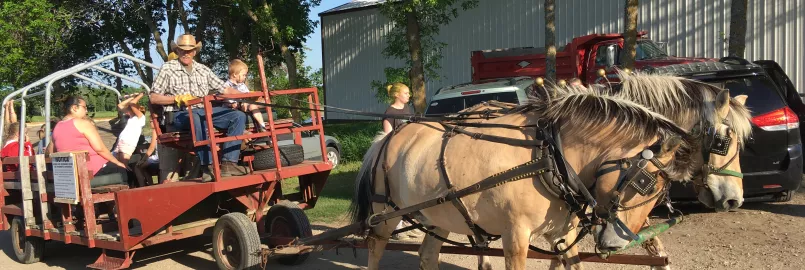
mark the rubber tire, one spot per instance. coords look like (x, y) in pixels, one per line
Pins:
(245, 232)
(784, 196)
(337, 155)
(34, 247)
(290, 155)
(299, 226)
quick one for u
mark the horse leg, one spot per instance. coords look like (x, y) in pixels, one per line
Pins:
(429, 250)
(484, 263)
(655, 248)
(515, 247)
(377, 240)
(570, 260)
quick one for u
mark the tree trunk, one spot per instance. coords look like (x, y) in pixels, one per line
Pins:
(171, 21)
(201, 22)
(118, 80)
(182, 15)
(737, 41)
(550, 42)
(630, 36)
(137, 66)
(149, 72)
(417, 72)
(145, 14)
(293, 80)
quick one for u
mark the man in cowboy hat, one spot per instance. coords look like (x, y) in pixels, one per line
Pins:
(182, 78)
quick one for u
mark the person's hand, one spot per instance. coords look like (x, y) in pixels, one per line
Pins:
(118, 163)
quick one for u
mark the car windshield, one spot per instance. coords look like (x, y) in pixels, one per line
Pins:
(764, 96)
(453, 105)
(647, 49)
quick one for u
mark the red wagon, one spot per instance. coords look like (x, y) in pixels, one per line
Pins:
(36, 205)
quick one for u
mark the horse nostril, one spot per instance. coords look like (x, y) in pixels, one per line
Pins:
(733, 204)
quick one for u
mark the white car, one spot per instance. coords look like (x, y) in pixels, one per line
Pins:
(451, 99)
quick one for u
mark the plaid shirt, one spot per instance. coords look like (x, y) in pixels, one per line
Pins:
(237, 86)
(173, 80)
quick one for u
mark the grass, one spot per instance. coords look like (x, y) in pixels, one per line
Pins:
(98, 115)
(334, 201)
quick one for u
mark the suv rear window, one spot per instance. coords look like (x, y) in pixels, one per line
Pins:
(763, 94)
(453, 105)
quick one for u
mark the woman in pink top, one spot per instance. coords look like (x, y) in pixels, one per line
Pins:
(76, 133)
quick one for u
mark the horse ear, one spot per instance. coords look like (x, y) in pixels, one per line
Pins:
(671, 145)
(723, 103)
(741, 99)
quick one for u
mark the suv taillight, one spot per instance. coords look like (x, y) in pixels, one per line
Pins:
(781, 119)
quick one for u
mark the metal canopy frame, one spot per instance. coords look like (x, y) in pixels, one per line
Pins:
(73, 71)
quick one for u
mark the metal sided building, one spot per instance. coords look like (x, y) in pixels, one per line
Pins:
(353, 37)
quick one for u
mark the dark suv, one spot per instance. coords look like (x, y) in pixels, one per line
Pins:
(772, 159)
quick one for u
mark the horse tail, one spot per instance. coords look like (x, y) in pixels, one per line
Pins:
(361, 206)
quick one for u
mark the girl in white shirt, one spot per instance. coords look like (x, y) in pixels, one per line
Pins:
(128, 138)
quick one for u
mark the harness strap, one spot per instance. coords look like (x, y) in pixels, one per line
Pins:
(525, 170)
(480, 242)
(491, 138)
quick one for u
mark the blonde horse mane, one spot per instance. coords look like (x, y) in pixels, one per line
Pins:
(686, 102)
(600, 118)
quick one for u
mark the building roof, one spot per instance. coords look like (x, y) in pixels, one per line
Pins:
(352, 5)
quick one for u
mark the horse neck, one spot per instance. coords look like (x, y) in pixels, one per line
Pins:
(584, 159)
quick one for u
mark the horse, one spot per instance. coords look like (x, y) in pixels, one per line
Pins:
(684, 101)
(721, 123)
(637, 202)
(592, 128)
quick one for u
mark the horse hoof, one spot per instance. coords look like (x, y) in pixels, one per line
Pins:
(485, 266)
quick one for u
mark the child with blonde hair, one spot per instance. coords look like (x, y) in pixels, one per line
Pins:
(237, 80)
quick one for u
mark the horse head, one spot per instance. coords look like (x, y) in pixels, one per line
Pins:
(721, 125)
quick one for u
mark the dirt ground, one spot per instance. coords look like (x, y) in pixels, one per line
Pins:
(757, 236)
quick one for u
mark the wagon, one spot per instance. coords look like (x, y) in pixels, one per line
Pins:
(251, 218)
(54, 200)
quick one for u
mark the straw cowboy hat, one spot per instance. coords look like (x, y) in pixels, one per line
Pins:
(186, 42)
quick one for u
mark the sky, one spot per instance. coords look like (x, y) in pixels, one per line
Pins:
(313, 40)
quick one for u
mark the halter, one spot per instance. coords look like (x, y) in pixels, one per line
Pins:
(715, 143)
(633, 174)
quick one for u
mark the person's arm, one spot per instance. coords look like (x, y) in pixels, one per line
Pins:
(123, 104)
(6, 114)
(153, 145)
(12, 114)
(49, 148)
(134, 109)
(159, 94)
(230, 90)
(387, 127)
(91, 133)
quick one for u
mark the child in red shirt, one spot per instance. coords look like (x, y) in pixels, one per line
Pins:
(11, 146)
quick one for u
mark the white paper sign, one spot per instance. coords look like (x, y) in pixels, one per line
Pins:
(65, 179)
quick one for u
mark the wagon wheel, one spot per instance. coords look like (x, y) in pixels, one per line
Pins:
(286, 219)
(27, 249)
(235, 242)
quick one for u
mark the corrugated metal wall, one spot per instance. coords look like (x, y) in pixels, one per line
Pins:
(353, 41)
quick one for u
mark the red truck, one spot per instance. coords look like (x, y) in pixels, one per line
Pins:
(581, 58)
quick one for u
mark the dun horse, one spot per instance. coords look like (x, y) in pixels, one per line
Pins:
(593, 128)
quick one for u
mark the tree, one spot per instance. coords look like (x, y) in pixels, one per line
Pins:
(32, 36)
(287, 23)
(416, 24)
(630, 36)
(737, 41)
(550, 42)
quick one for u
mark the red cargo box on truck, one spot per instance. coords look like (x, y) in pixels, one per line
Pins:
(581, 58)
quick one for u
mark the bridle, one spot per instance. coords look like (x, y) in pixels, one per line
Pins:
(717, 144)
(633, 174)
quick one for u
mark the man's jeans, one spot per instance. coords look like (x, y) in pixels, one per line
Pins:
(223, 118)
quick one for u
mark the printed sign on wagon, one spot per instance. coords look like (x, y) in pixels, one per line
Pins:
(65, 178)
